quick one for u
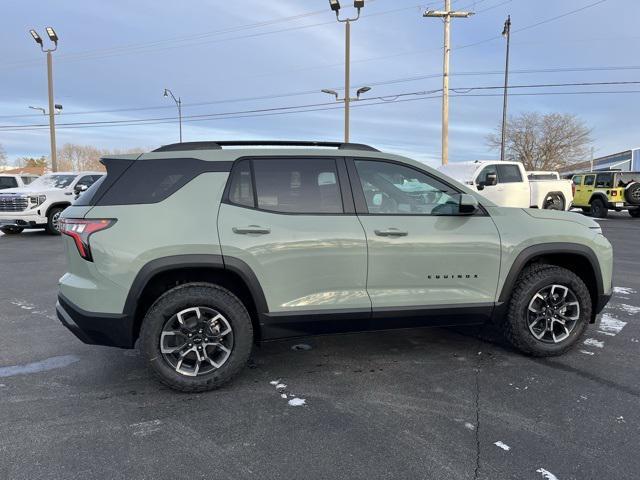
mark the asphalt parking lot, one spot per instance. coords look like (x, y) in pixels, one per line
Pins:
(425, 403)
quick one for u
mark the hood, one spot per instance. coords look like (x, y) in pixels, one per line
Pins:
(32, 191)
(572, 217)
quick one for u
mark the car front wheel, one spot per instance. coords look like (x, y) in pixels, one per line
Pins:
(196, 337)
(548, 312)
(53, 221)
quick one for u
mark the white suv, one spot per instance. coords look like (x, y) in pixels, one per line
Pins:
(39, 204)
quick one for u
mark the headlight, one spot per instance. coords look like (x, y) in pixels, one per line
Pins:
(37, 200)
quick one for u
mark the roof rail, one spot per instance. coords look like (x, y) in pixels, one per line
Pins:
(176, 147)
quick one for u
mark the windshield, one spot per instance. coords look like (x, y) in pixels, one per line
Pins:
(8, 182)
(52, 181)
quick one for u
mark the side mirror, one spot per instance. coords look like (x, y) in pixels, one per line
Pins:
(468, 204)
(80, 188)
(480, 186)
(492, 179)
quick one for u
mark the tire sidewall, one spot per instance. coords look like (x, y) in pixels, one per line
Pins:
(51, 230)
(193, 295)
(598, 208)
(521, 328)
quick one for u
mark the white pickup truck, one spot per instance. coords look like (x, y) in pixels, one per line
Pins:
(39, 204)
(508, 184)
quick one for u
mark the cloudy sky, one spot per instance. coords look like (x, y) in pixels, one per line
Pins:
(239, 66)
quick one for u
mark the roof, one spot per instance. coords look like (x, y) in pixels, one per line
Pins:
(24, 171)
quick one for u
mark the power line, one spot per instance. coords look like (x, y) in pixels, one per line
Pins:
(315, 91)
(300, 108)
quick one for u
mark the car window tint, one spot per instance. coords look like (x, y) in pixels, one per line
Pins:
(241, 186)
(488, 170)
(8, 182)
(509, 174)
(589, 179)
(297, 185)
(604, 180)
(392, 189)
(577, 180)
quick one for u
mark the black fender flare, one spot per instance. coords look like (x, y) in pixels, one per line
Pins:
(162, 264)
(552, 248)
(600, 196)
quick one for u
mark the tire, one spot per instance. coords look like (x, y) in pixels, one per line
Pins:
(520, 325)
(52, 221)
(176, 308)
(553, 201)
(632, 193)
(634, 212)
(599, 209)
(11, 230)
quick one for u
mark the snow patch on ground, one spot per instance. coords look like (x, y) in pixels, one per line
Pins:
(587, 352)
(469, 426)
(296, 402)
(630, 309)
(144, 429)
(37, 367)
(610, 324)
(623, 291)
(502, 445)
(592, 342)
(546, 474)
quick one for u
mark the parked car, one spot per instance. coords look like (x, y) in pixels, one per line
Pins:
(598, 192)
(196, 251)
(39, 204)
(15, 181)
(509, 185)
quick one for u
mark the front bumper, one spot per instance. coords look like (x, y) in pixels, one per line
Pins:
(26, 219)
(107, 329)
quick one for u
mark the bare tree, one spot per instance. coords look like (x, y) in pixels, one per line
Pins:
(78, 158)
(544, 141)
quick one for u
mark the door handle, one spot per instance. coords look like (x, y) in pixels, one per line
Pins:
(251, 229)
(391, 232)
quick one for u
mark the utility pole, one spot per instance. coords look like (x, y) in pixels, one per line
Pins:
(506, 32)
(335, 7)
(52, 125)
(446, 15)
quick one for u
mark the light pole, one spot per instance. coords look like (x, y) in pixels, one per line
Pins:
(335, 7)
(446, 15)
(506, 32)
(51, 33)
(178, 101)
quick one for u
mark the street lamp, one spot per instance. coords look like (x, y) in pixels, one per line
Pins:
(57, 107)
(53, 36)
(346, 100)
(335, 7)
(506, 32)
(178, 101)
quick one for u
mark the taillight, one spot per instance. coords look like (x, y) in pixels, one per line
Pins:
(614, 193)
(80, 230)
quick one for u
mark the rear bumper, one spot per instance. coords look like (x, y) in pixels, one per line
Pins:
(111, 330)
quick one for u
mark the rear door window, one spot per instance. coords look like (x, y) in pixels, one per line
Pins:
(509, 174)
(604, 180)
(297, 185)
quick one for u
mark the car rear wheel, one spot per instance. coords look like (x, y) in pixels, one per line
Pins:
(599, 209)
(196, 337)
(11, 230)
(553, 201)
(548, 311)
(53, 221)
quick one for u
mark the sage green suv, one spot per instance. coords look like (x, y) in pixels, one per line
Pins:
(198, 250)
